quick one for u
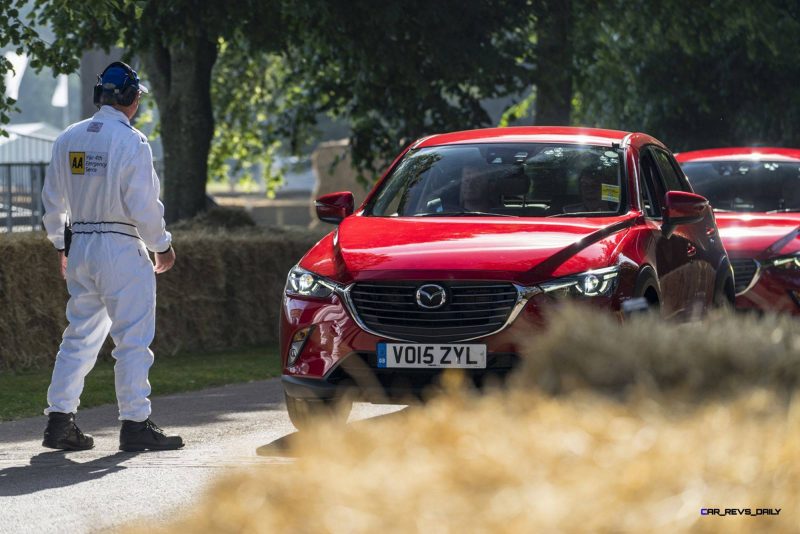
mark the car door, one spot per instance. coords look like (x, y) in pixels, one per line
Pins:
(701, 277)
(671, 255)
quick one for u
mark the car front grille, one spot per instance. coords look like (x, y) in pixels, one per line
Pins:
(744, 269)
(472, 309)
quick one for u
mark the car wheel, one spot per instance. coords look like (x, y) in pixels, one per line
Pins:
(303, 412)
(646, 288)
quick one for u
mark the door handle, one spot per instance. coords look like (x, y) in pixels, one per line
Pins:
(691, 250)
(710, 231)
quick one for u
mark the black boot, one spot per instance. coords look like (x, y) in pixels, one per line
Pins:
(145, 435)
(62, 433)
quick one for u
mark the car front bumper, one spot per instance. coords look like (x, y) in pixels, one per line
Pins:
(339, 356)
(774, 290)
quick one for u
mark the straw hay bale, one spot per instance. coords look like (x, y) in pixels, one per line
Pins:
(223, 292)
(647, 428)
(522, 462)
(722, 353)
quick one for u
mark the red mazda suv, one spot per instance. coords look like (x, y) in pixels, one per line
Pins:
(755, 193)
(467, 239)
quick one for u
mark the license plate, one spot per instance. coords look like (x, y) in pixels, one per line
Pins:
(431, 356)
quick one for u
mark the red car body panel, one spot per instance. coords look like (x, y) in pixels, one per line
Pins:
(531, 134)
(740, 153)
(522, 251)
(369, 245)
(759, 236)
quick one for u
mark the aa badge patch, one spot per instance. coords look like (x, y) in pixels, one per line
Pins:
(77, 162)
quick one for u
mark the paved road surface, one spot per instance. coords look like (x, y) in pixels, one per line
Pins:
(45, 491)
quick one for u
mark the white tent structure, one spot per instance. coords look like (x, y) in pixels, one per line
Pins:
(30, 142)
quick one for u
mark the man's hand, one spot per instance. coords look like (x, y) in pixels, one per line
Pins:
(62, 264)
(165, 261)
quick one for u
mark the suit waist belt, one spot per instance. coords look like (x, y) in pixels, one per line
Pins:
(105, 227)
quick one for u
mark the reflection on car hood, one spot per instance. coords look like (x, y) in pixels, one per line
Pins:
(439, 246)
(758, 235)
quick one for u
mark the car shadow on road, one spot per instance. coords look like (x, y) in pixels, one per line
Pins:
(54, 469)
(282, 447)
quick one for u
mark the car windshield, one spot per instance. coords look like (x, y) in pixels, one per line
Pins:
(763, 186)
(508, 179)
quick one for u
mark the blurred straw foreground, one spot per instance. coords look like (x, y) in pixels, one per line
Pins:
(607, 427)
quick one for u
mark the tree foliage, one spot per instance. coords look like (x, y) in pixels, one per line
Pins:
(19, 33)
(233, 81)
(257, 114)
(695, 75)
(392, 71)
(421, 67)
(177, 42)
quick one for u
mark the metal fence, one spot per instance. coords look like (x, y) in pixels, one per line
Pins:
(21, 196)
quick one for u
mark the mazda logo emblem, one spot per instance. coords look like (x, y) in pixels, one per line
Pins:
(431, 296)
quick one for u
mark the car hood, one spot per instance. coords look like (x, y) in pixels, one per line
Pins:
(754, 235)
(520, 249)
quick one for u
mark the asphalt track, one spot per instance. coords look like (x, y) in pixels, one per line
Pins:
(225, 428)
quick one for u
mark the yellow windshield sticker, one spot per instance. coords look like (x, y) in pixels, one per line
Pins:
(609, 192)
(77, 162)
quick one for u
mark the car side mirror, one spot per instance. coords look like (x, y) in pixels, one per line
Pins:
(680, 208)
(334, 207)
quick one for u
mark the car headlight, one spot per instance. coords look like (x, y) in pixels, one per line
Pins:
(785, 262)
(307, 284)
(601, 282)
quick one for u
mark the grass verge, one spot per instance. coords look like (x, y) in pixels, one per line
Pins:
(24, 394)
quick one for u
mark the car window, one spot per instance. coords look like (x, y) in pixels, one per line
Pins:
(672, 178)
(687, 186)
(504, 179)
(747, 185)
(651, 186)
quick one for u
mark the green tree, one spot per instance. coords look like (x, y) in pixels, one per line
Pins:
(394, 71)
(554, 58)
(177, 42)
(16, 32)
(695, 75)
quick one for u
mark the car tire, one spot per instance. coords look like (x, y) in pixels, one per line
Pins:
(646, 287)
(303, 412)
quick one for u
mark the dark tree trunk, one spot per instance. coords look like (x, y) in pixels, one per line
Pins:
(554, 71)
(181, 80)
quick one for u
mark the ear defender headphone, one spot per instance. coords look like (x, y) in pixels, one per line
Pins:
(111, 92)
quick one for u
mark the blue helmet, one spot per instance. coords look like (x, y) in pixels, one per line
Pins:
(118, 84)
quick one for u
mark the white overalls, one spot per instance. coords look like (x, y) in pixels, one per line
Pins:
(101, 178)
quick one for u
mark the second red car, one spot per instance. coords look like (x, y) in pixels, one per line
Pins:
(755, 193)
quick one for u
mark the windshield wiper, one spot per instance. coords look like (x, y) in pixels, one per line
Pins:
(464, 214)
(783, 210)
